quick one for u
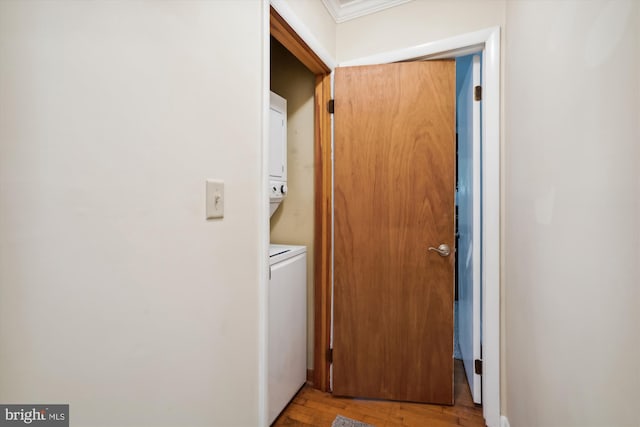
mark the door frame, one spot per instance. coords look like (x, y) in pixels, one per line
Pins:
(488, 42)
(285, 27)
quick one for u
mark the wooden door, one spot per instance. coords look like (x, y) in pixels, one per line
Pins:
(394, 198)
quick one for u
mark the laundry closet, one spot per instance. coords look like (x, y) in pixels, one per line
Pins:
(291, 190)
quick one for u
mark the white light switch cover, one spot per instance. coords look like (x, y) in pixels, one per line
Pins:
(215, 199)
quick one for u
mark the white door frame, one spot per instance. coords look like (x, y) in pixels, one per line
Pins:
(488, 42)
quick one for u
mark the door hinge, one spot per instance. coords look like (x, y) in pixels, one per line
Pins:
(477, 93)
(330, 106)
(478, 366)
(330, 355)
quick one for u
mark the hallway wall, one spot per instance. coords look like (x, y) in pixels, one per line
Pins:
(572, 213)
(116, 295)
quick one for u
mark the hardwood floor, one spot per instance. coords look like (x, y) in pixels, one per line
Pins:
(313, 408)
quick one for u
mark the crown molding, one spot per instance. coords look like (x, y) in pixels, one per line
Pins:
(345, 10)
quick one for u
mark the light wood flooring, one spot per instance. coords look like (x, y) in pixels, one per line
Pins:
(313, 408)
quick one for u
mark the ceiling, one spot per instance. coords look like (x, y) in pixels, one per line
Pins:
(344, 10)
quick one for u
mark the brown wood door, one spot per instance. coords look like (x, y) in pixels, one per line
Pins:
(394, 197)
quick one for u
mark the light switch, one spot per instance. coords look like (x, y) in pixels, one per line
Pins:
(215, 199)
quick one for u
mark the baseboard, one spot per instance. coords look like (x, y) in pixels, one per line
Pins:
(310, 376)
(504, 421)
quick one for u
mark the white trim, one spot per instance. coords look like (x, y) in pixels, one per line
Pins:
(342, 12)
(491, 230)
(303, 32)
(263, 242)
(488, 41)
(464, 44)
(504, 421)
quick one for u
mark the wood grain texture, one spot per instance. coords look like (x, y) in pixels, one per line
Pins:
(394, 197)
(322, 262)
(313, 408)
(283, 32)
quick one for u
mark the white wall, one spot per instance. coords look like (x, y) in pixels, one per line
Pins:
(317, 20)
(414, 23)
(116, 295)
(572, 213)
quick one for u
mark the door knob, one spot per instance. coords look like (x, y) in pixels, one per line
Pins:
(443, 249)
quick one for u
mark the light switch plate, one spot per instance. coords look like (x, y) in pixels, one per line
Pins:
(215, 199)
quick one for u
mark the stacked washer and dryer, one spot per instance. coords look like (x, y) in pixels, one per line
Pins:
(287, 339)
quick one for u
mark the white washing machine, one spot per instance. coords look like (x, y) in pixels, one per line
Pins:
(287, 325)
